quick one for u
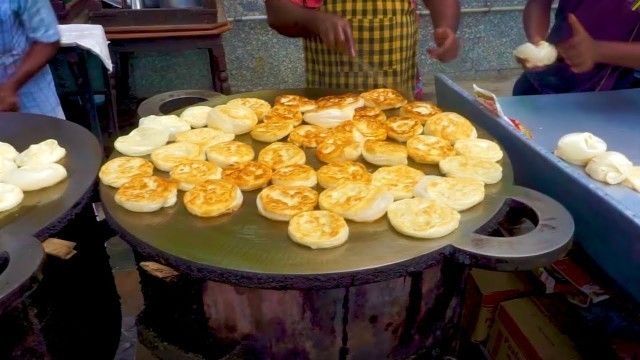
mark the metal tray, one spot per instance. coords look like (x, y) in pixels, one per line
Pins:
(247, 249)
(44, 211)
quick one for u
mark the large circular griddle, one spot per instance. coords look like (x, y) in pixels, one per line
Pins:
(45, 211)
(247, 249)
(21, 257)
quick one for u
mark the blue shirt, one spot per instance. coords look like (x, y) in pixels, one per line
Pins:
(23, 22)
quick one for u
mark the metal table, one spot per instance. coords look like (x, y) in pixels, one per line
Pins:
(607, 216)
(385, 292)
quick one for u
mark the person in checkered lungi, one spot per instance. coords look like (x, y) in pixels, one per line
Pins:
(29, 38)
(364, 44)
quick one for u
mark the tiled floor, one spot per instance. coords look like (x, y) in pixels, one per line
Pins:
(126, 274)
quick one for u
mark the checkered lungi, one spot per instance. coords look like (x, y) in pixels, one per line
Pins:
(385, 35)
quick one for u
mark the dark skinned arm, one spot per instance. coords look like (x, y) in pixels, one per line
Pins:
(291, 20)
(536, 20)
(445, 15)
(34, 60)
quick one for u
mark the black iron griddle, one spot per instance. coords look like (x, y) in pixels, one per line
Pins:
(45, 211)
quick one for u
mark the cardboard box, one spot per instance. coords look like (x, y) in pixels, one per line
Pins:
(485, 291)
(523, 331)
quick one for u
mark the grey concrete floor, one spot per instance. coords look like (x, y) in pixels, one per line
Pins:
(126, 274)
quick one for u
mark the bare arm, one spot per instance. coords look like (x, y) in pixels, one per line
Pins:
(444, 13)
(34, 60)
(291, 20)
(618, 53)
(536, 20)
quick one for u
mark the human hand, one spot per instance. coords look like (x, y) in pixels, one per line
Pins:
(447, 45)
(580, 52)
(334, 31)
(9, 100)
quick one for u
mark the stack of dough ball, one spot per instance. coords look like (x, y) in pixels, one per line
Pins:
(403, 128)
(230, 153)
(610, 167)
(271, 131)
(384, 153)
(6, 166)
(479, 149)
(288, 114)
(142, 141)
(281, 154)
(147, 194)
(36, 177)
(371, 113)
(248, 176)
(300, 102)
(332, 175)
(399, 179)
(337, 148)
(204, 137)
(118, 171)
(470, 168)
(8, 152)
(191, 173)
(579, 148)
(633, 178)
(212, 198)
(458, 194)
(318, 229)
(171, 123)
(10, 196)
(196, 116)
(308, 136)
(281, 203)
(357, 201)
(535, 56)
(168, 156)
(423, 218)
(295, 175)
(33, 169)
(333, 110)
(42, 153)
(259, 106)
(427, 149)
(450, 126)
(232, 119)
(383, 99)
(420, 110)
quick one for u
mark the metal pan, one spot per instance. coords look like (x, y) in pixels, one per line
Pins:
(23, 257)
(44, 211)
(247, 249)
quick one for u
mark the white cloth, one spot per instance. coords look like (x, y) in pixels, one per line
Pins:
(88, 37)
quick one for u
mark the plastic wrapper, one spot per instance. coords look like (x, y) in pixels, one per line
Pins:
(490, 101)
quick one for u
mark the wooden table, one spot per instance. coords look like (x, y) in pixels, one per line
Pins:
(122, 45)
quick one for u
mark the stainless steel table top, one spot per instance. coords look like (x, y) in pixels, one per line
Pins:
(606, 216)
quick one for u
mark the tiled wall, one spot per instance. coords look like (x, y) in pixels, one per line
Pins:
(259, 58)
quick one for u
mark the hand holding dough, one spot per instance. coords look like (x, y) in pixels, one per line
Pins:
(535, 56)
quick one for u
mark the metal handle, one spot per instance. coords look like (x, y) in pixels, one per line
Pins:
(550, 240)
(25, 257)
